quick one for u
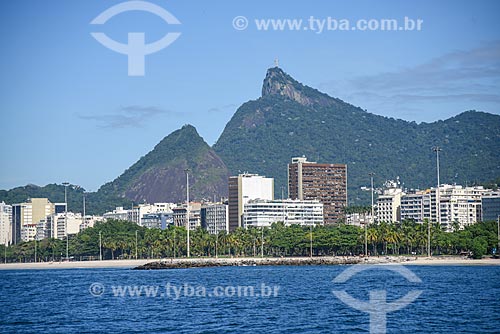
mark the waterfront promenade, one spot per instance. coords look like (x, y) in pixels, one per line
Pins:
(245, 261)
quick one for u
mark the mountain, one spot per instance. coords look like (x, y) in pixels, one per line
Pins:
(291, 119)
(160, 175)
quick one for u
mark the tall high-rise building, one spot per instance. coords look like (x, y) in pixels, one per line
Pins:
(389, 203)
(326, 183)
(243, 188)
(490, 206)
(5, 224)
(26, 216)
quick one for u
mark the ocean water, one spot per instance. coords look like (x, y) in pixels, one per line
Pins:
(287, 299)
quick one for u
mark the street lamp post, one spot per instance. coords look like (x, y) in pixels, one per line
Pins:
(66, 184)
(100, 246)
(429, 239)
(187, 212)
(371, 174)
(136, 244)
(498, 234)
(311, 240)
(438, 204)
(438, 195)
(83, 218)
(175, 243)
(216, 245)
(262, 241)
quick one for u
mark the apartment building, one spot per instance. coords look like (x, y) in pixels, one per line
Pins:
(326, 183)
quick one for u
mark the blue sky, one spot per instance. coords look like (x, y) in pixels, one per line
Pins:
(69, 111)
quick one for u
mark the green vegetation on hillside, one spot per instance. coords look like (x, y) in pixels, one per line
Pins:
(184, 144)
(159, 175)
(265, 134)
(96, 203)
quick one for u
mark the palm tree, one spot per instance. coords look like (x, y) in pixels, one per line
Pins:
(110, 243)
(383, 229)
(408, 235)
(222, 240)
(254, 235)
(232, 242)
(393, 237)
(373, 237)
(421, 236)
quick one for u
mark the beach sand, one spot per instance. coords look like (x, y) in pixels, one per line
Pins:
(452, 261)
(76, 264)
(439, 261)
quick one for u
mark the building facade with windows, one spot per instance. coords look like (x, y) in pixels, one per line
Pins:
(389, 204)
(262, 213)
(161, 220)
(243, 188)
(179, 215)
(5, 224)
(326, 183)
(457, 205)
(26, 216)
(215, 217)
(490, 206)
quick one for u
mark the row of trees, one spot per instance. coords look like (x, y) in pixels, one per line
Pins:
(122, 239)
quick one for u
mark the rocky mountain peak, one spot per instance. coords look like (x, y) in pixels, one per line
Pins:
(279, 83)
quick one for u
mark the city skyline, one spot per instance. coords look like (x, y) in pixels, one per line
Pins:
(81, 100)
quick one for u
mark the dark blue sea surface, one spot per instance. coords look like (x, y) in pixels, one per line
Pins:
(454, 299)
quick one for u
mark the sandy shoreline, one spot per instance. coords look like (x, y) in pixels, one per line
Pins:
(452, 261)
(439, 261)
(76, 264)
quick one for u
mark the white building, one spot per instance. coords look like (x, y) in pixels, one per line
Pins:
(416, 206)
(215, 217)
(138, 213)
(45, 228)
(262, 213)
(89, 221)
(67, 225)
(26, 217)
(5, 224)
(359, 219)
(119, 214)
(389, 204)
(179, 215)
(457, 204)
(243, 188)
(159, 220)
